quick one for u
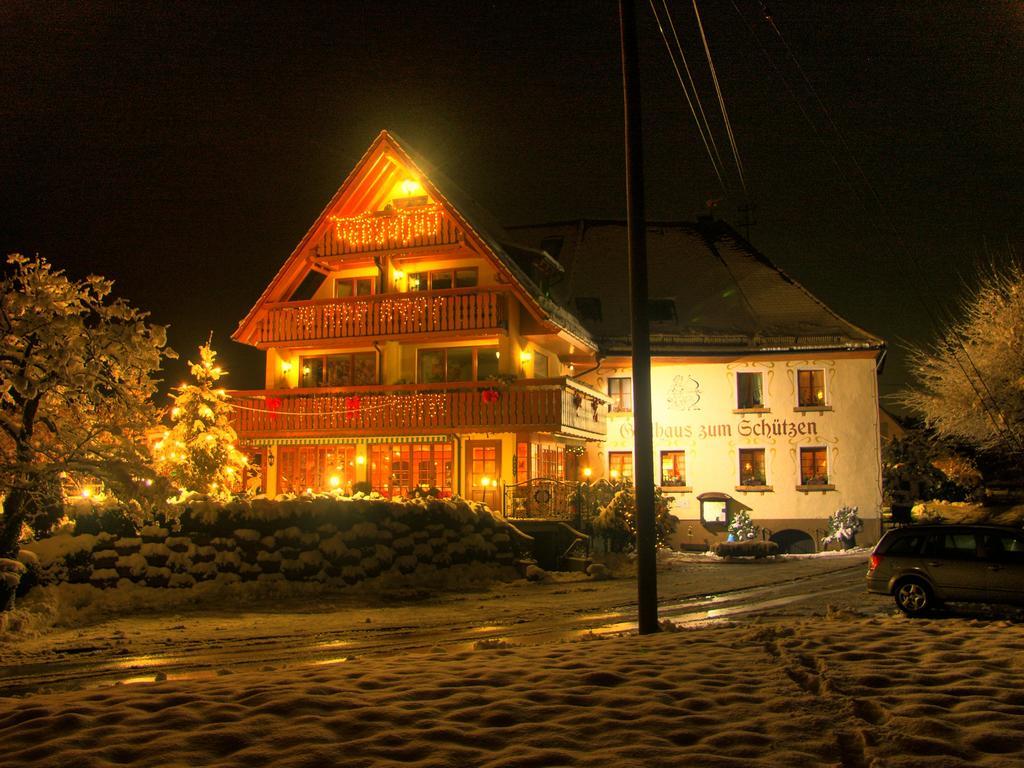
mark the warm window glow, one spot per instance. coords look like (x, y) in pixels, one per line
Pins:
(673, 468)
(810, 388)
(752, 467)
(813, 466)
(620, 464)
(620, 390)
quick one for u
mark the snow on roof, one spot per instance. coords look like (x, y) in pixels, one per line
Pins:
(723, 294)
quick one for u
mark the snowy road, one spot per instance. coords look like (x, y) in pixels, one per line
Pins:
(211, 643)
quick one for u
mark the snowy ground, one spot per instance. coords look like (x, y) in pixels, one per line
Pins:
(785, 664)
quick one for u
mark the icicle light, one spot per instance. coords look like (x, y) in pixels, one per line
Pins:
(386, 227)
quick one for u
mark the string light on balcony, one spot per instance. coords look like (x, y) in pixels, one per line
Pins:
(352, 409)
(399, 225)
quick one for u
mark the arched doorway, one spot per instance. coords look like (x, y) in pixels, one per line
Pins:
(794, 542)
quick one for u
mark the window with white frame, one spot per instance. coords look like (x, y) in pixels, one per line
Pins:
(673, 468)
(814, 466)
(810, 388)
(749, 390)
(752, 467)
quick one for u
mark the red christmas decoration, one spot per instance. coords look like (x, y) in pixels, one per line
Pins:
(490, 395)
(273, 405)
(351, 405)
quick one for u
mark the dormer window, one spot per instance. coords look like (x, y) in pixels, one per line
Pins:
(661, 310)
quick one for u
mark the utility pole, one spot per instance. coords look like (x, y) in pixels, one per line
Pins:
(636, 226)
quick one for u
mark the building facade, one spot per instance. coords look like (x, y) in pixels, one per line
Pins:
(414, 345)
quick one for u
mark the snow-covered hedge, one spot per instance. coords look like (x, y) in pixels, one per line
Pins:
(321, 538)
(749, 548)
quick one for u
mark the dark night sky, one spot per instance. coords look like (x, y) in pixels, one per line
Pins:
(183, 149)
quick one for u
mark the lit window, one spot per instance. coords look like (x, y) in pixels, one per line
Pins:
(354, 369)
(810, 385)
(749, 390)
(673, 468)
(813, 466)
(620, 465)
(752, 470)
(401, 469)
(620, 390)
(345, 287)
(443, 279)
(435, 366)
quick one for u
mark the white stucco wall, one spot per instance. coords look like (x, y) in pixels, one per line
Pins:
(694, 409)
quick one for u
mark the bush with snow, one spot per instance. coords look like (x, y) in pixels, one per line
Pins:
(843, 526)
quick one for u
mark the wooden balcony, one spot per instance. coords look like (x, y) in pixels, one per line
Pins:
(385, 315)
(550, 405)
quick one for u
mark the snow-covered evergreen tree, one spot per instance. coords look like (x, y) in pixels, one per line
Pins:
(742, 528)
(199, 453)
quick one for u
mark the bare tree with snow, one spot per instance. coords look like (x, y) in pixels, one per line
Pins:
(76, 379)
(970, 385)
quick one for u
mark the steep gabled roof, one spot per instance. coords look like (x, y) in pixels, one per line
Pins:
(385, 163)
(727, 296)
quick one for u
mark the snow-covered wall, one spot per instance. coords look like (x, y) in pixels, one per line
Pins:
(312, 538)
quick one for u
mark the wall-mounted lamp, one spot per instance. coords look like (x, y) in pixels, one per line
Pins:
(360, 459)
(334, 480)
(587, 472)
(270, 458)
(399, 274)
(525, 356)
(286, 366)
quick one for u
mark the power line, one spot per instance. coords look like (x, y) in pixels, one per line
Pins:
(721, 101)
(998, 419)
(693, 83)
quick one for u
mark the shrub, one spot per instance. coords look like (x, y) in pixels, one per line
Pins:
(617, 520)
(749, 548)
(843, 527)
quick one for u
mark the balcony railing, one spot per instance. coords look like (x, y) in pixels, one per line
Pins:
(390, 315)
(554, 405)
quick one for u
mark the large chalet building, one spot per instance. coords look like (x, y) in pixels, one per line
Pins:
(413, 343)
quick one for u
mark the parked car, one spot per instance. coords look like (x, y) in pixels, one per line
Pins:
(924, 566)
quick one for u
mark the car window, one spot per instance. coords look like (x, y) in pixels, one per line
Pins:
(1005, 547)
(905, 546)
(953, 546)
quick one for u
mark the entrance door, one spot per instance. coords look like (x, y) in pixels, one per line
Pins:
(483, 471)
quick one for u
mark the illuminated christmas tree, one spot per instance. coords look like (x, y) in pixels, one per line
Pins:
(198, 452)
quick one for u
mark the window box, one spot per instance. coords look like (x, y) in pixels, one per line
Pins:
(812, 488)
(755, 488)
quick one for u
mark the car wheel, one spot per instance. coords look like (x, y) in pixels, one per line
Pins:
(913, 597)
